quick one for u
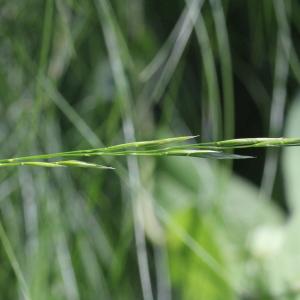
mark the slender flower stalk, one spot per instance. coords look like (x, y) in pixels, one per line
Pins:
(161, 147)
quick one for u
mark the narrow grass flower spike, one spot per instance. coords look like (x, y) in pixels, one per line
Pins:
(160, 147)
(55, 164)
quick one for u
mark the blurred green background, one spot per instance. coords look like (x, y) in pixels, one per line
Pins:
(81, 74)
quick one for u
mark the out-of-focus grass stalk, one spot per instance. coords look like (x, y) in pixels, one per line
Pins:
(227, 82)
(48, 88)
(114, 48)
(170, 64)
(226, 67)
(162, 274)
(279, 94)
(42, 66)
(67, 109)
(209, 68)
(14, 263)
(162, 55)
(214, 104)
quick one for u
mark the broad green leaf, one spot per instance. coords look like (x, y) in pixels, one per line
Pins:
(189, 198)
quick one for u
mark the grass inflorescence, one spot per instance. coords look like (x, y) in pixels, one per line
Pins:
(159, 147)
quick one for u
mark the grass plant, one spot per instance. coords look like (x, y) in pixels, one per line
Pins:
(88, 74)
(153, 148)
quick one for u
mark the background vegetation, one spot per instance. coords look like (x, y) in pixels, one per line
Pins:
(81, 74)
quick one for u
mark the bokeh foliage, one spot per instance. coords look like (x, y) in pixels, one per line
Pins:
(83, 74)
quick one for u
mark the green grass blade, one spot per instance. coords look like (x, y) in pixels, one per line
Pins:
(14, 263)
